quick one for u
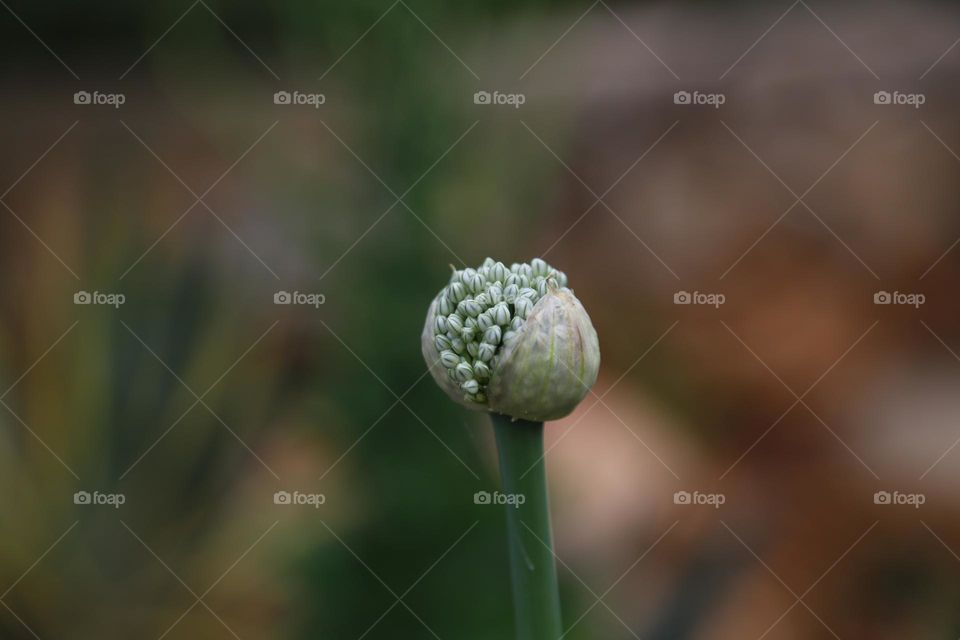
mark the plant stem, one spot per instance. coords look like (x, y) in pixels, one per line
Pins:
(536, 598)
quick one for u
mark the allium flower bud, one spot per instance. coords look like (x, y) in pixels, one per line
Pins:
(533, 352)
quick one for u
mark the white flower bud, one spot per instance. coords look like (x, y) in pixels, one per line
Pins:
(446, 307)
(473, 348)
(539, 267)
(455, 323)
(441, 324)
(467, 334)
(449, 359)
(501, 314)
(442, 342)
(522, 307)
(510, 293)
(484, 321)
(541, 287)
(464, 372)
(458, 345)
(485, 351)
(457, 292)
(481, 370)
(494, 294)
(492, 335)
(472, 308)
(471, 386)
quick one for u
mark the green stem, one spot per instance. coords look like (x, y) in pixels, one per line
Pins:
(536, 598)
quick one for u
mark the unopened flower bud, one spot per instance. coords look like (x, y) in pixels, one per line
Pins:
(533, 352)
(492, 335)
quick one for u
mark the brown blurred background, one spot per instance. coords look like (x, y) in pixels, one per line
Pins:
(822, 419)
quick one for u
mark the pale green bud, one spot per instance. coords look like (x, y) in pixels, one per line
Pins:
(472, 308)
(501, 314)
(442, 324)
(446, 307)
(484, 321)
(473, 348)
(492, 335)
(455, 323)
(494, 294)
(449, 359)
(539, 267)
(464, 371)
(442, 342)
(522, 307)
(471, 386)
(510, 293)
(481, 370)
(474, 281)
(486, 350)
(457, 292)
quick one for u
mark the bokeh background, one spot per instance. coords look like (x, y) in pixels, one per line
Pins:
(795, 402)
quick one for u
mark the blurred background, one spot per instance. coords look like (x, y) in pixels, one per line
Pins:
(757, 203)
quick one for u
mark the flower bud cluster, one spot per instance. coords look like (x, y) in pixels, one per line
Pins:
(480, 311)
